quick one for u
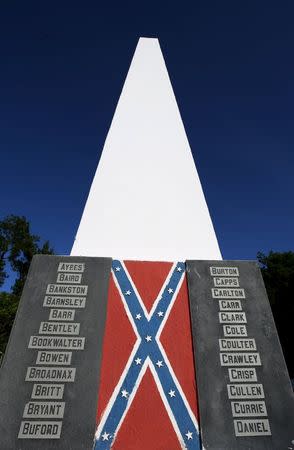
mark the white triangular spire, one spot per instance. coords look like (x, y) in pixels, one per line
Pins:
(146, 200)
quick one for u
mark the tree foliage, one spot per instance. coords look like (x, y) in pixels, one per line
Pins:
(8, 307)
(278, 274)
(17, 248)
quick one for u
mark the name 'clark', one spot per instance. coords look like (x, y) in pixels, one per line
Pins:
(232, 317)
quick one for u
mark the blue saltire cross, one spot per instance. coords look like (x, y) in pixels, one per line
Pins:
(148, 351)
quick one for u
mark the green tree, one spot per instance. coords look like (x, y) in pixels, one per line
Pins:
(8, 307)
(278, 275)
(17, 248)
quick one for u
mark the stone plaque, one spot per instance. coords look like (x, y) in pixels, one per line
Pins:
(50, 374)
(245, 396)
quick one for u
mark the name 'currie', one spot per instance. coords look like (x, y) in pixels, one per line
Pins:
(247, 409)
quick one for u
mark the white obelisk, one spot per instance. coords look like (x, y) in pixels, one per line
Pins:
(146, 201)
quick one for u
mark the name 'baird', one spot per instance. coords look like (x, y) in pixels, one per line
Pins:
(75, 278)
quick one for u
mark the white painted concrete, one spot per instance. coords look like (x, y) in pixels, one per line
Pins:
(146, 200)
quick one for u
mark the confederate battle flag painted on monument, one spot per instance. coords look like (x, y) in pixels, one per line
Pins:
(147, 394)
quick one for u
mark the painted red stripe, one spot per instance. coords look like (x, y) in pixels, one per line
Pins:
(148, 277)
(147, 425)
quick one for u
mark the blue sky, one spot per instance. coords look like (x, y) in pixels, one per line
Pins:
(231, 63)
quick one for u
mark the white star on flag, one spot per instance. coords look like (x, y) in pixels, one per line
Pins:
(124, 393)
(159, 363)
(160, 313)
(189, 435)
(138, 316)
(117, 269)
(148, 338)
(128, 293)
(170, 291)
(179, 269)
(172, 393)
(105, 436)
(138, 361)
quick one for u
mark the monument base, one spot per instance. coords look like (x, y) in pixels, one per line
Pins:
(102, 356)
